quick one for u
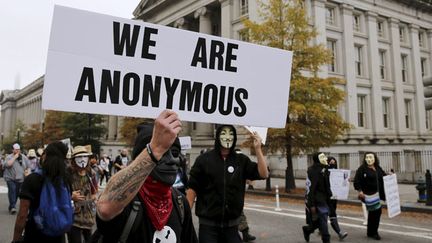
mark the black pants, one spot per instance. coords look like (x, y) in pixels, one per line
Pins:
(214, 234)
(74, 235)
(319, 223)
(373, 222)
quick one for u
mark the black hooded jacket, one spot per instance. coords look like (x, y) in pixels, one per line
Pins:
(220, 184)
(317, 184)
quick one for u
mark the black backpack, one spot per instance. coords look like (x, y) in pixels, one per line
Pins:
(136, 214)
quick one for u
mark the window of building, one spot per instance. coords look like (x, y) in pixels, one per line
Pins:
(244, 7)
(408, 113)
(404, 67)
(356, 23)
(331, 45)
(386, 110)
(361, 110)
(423, 65)
(382, 56)
(421, 37)
(402, 34)
(331, 16)
(359, 60)
(428, 121)
(380, 28)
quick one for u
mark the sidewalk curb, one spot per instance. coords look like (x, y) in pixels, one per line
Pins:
(404, 208)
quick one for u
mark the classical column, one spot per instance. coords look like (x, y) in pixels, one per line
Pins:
(226, 8)
(397, 75)
(349, 57)
(112, 128)
(320, 25)
(205, 25)
(375, 79)
(203, 130)
(429, 45)
(120, 120)
(418, 81)
(181, 23)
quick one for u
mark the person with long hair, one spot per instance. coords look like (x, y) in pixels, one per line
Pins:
(369, 183)
(332, 164)
(84, 189)
(53, 169)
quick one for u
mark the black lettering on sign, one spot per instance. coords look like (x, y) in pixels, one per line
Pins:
(240, 111)
(200, 54)
(190, 95)
(225, 109)
(135, 79)
(152, 91)
(170, 89)
(125, 40)
(147, 42)
(216, 58)
(210, 100)
(86, 78)
(216, 51)
(230, 56)
(111, 86)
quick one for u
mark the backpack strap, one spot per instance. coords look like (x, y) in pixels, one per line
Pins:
(130, 221)
(179, 203)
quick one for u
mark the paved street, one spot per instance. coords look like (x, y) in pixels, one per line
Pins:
(272, 226)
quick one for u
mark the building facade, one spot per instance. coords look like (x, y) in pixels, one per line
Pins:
(382, 48)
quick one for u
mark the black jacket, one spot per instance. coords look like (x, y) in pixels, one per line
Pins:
(317, 184)
(220, 184)
(369, 181)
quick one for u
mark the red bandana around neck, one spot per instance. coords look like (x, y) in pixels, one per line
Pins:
(158, 201)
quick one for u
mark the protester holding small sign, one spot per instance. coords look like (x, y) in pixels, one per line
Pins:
(369, 183)
(332, 164)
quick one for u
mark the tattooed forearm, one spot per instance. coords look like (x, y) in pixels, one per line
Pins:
(124, 185)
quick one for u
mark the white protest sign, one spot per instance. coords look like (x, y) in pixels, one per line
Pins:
(262, 132)
(339, 183)
(108, 65)
(391, 190)
(185, 142)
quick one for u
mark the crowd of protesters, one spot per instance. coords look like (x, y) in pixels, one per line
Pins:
(151, 190)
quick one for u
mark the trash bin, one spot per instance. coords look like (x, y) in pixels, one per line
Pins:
(421, 188)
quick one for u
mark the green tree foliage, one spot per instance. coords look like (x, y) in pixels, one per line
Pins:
(84, 129)
(312, 120)
(128, 128)
(33, 138)
(52, 127)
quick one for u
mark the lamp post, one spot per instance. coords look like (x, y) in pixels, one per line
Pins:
(43, 135)
(18, 135)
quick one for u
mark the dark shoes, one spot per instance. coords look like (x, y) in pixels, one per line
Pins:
(247, 237)
(375, 237)
(12, 211)
(306, 233)
(343, 235)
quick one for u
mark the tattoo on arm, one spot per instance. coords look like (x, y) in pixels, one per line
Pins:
(125, 184)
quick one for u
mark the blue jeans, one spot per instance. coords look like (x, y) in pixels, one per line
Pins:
(320, 222)
(13, 191)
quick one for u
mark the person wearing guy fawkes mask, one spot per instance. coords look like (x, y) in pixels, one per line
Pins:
(317, 197)
(84, 190)
(217, 181)
(369, 183)
(164, 215)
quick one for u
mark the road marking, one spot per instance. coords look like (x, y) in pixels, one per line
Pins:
(3, 189)
(302, 216)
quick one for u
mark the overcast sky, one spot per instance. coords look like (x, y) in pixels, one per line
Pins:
(24, 33)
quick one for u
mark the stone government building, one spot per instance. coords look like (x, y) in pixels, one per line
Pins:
(382, 48)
